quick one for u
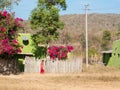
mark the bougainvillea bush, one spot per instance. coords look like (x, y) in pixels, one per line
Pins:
(9, 26)
(59, 52)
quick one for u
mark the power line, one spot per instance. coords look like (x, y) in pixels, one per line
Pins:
(104, 9)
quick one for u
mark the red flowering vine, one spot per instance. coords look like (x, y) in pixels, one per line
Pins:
(8, 34)
(59, 52)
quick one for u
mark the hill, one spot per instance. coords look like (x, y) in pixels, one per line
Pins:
(75, 24)
(95, 21)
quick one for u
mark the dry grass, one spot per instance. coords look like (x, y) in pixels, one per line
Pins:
(93, 78)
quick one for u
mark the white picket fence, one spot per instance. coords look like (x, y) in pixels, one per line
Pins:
(32, 65)
(67, 66)
(73, 65)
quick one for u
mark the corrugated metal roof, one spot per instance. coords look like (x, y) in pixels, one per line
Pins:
(109, 51)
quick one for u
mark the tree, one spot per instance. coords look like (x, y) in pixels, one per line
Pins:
(118, 32)
(7, 3)
(45, 17)
(82, 40)
(106, 39)
(9, 45)
(8, 33)
(60, 52)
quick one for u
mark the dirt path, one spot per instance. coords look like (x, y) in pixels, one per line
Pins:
(83, 81)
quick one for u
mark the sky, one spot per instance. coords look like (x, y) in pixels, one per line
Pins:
(23, 10)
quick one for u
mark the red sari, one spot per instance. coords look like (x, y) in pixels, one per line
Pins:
(42, 67)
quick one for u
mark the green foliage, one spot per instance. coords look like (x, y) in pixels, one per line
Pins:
(40, 52)
(106, 39)
(117, 34)
(7, 3)
(106, 35)
(92, 51)
(48, 3)
(82, 40)
(45, 17)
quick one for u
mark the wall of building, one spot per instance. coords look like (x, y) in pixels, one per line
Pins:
(115, 59)
(26, 41)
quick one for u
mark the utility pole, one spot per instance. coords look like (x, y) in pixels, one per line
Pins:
(86, 32)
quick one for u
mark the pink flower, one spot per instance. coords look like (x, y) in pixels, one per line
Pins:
(4, 13)
(0, 52)
(70, 48)
(17, 22)
(59, 52)
(4, 41)
(2, 29)
(19, 50)
(8, 28)
(12, 31)
(15, 42)
(18, 19)
(1, 35)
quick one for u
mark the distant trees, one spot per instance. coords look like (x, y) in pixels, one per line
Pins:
(118, 32)
(7, 3)
(106, 37)
(45, 17)
(82, 40)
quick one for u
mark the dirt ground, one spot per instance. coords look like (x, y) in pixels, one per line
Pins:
(96, 79)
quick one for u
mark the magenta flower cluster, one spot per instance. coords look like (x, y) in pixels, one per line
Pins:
(59, 52)
(8, 34)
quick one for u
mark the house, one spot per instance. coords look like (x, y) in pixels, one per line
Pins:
(115, 57)
(27, 43)
(27, 58)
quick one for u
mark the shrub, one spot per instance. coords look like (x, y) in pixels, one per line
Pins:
(59, 52)
(9, 26)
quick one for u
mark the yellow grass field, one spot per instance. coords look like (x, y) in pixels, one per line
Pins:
(92, 78)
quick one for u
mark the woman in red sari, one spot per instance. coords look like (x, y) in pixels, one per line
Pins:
(42, 67)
